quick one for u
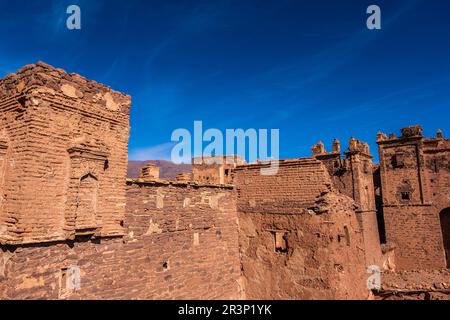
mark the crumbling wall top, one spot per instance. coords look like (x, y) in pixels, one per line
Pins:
(43, 78)
(184, 177)
(354, 146)
(281, 163)
(412, 131)
(150, 171)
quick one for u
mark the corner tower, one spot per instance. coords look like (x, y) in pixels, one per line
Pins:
(63, 157)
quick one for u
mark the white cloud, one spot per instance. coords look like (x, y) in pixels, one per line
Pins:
(158, 152)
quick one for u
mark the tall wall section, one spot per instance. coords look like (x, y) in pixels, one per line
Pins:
(415, 181)
(298, 238)
(353, 176)
(63, 158)
(72, 227)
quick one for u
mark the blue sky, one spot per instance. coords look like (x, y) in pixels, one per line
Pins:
(309, 68)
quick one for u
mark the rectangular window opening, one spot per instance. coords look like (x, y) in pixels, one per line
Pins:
(281, 243)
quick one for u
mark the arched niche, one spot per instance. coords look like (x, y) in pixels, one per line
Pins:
(86, 204)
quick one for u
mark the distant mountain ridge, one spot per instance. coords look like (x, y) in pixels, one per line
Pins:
(168, 169)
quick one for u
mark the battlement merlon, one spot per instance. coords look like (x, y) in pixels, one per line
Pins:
(42, 82)
(355, 147)
(411, 134)
(150, 171)
(407, 133)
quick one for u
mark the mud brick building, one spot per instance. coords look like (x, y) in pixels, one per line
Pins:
(353, 176)
(72, 226)
(415, 184)
(215, 169)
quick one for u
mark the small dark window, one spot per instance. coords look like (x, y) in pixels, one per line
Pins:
(227, 172)
(406, 196)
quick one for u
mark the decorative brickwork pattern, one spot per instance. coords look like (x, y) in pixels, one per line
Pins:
(67, 137)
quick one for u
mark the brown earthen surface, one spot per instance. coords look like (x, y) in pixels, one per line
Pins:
(415, 182)
(65, 159)
(73, 227)
(300, 241)
(181, 242)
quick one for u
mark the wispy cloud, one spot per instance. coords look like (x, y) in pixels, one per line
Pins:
(158, 152)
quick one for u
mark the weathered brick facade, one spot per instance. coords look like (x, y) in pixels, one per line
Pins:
(215, 169)
(181, 242)
(299, 240)
(353, 176)
(64, 156)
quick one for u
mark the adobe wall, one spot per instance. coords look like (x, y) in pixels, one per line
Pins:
(353, 176)
(299, 240)
(415, 285)
(65, 156)
(181, 243)
(215, 169)
(415, 233)
(294, 188)
(361, 170)
(415, 178)
(307, 232)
